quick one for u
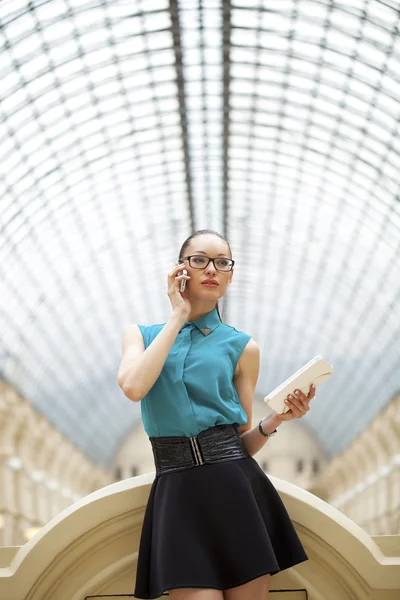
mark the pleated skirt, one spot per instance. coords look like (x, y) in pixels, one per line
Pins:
(214, 526)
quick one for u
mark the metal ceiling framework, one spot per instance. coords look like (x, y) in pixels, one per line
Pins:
(127, 124)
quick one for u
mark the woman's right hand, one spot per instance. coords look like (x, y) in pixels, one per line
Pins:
(179, 301)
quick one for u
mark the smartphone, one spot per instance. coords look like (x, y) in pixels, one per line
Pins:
(182, 284)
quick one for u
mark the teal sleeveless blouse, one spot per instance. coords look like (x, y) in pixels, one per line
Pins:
(195, 390)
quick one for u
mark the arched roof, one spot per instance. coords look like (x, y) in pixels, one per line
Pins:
(125, 125)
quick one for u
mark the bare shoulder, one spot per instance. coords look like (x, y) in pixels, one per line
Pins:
(132, 337)
(249, 359)
(251, 348)
(132, 348)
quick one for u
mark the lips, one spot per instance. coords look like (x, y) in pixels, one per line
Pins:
(210, 283)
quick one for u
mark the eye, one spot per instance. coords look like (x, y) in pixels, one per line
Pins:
(198, 259)
(223, 262)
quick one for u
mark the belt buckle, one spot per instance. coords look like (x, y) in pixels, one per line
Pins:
(199, 460)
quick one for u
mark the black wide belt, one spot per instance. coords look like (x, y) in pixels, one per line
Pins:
(217, 444)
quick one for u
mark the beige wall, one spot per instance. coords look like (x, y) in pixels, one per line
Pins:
(280, 456)
(41, 472)
(364, 481)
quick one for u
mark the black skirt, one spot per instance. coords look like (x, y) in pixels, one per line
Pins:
(215, 526)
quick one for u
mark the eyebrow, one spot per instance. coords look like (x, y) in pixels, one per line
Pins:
(205, 253)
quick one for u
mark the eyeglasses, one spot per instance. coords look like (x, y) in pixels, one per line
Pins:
(201, 262)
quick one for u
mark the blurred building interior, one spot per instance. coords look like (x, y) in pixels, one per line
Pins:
(125, 126)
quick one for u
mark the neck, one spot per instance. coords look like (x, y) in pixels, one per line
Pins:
(200, 308)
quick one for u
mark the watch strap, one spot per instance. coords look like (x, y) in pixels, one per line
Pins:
(264, 433)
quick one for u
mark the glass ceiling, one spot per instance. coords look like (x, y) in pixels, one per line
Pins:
(125, 125)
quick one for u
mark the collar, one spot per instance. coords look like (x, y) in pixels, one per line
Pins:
(207, 323)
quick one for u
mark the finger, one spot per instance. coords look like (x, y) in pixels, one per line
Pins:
(299, 395)
(296, 406)
(301, 405)
(179, 277)
(176, 268)
(300, 412)
(295, 401)
(294, 411)
(311, 393)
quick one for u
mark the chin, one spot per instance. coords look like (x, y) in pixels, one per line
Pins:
(207, 292)
(210, 290)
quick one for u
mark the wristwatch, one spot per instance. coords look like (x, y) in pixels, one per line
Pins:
(267, 435)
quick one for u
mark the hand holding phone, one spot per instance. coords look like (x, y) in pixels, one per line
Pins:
(180, 303)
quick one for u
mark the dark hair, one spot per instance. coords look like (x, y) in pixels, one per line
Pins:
(194, 235)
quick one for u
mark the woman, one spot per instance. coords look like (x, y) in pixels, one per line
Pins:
(215, 527)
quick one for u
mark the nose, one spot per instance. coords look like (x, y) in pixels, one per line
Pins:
(211, 268)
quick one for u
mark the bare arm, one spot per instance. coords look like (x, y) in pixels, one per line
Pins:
(140, 367)
(249, 367)
(298, 403)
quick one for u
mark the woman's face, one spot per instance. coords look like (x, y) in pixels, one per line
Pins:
(211, 246)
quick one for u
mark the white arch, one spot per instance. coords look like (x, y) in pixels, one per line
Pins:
(93, 545)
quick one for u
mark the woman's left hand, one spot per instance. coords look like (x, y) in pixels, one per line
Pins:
(298, 404)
